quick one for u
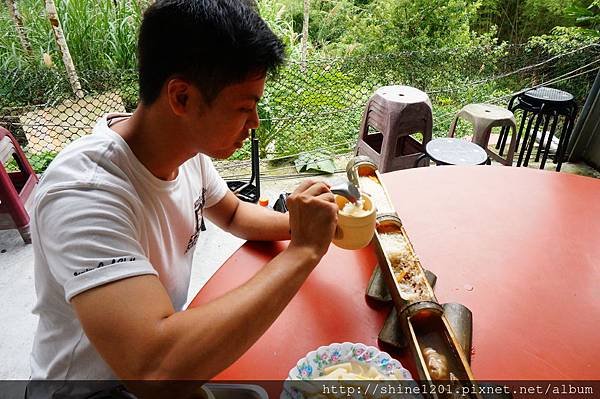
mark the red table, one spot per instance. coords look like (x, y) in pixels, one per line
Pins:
(519, 247)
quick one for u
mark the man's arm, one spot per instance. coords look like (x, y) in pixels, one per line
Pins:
(249, 221)
(134, 327)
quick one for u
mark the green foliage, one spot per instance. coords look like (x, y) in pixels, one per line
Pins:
(101, 34)
(266, 132)
(329, 20)
(39, 162)
(587, 17)
(318, 161)
(458, 51)
(519, 20)
(562, 39)
(280, 20)
(383, 26)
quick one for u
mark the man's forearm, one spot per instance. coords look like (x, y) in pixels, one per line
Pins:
(205, 340)
(253, 222)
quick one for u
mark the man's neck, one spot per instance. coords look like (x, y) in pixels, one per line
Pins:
(154, 141)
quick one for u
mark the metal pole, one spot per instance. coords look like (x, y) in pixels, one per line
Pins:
(255, 162)
(578, 146)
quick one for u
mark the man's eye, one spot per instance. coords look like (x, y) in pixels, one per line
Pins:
(246, 110)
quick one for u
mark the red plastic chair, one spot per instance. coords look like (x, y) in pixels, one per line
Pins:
(15, 187)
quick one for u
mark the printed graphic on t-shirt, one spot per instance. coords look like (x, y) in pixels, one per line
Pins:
(199, 214)
(105, 263)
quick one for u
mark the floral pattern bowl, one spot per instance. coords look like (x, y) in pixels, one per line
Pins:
(313, 364)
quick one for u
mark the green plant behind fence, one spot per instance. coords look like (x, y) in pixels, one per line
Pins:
(101, 34)
(304, 108)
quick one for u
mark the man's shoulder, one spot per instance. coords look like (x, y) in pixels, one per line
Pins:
(83, 161)
(92, 162)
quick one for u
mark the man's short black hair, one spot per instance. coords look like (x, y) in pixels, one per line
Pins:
(212, 43)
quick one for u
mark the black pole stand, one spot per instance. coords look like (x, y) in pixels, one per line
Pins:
(249, 191)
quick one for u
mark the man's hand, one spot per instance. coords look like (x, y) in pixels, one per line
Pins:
(313, 216)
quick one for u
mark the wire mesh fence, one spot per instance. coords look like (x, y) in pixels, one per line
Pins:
(313, 106)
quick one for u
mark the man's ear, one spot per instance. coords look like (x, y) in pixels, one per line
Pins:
(178, 92)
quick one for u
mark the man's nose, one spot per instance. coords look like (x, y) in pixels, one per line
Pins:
(254, 120)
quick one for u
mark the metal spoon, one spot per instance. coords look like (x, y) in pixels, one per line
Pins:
(346, 189)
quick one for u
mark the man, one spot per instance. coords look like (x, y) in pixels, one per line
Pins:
(118, 212)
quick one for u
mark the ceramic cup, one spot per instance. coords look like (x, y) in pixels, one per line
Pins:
(354, 232)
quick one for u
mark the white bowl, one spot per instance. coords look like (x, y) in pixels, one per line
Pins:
(313, 364)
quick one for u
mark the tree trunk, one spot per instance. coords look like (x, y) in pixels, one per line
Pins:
(304, 41)
(16, 17)
(64, 48)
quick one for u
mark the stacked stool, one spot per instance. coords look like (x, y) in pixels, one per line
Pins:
(544, 108)
(484, 117)
(451, 151)
(15, 187)
(395, 113)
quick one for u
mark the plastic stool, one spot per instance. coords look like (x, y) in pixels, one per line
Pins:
(396, 113)
(15, 187)
(551, 108)
(484, 117)
(452, 151)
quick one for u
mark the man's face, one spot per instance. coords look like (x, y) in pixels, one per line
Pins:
(226, 122)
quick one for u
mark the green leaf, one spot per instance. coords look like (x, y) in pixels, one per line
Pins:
(312, 165)
(318, 161)
(326, 165)
(300, 165)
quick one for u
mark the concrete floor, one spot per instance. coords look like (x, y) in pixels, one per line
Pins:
(17, 294)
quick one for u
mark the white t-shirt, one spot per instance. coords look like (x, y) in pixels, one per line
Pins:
(101, 216)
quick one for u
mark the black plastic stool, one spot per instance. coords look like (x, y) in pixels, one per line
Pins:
(547, 106)
(452, 151)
